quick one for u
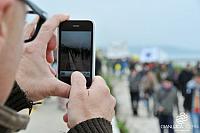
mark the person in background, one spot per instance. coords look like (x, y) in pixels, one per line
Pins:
(192, 102)
(118, 68)
(163, 72)
(171, 71)
(124, 65)
(148, 85)
(134, 82)
(198, 66)
(185, 76)
(26, 75)
(164, 100)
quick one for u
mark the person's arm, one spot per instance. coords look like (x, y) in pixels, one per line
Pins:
(18, 100)
(96, 125)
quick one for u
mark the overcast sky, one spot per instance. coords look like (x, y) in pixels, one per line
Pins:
(173, 25)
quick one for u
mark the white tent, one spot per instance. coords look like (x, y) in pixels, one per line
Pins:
(118, 50)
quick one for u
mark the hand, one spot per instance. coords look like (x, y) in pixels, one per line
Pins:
(35, 75)
(85, 104)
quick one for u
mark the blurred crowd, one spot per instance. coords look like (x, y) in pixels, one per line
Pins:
(158, 86)
(161, 82)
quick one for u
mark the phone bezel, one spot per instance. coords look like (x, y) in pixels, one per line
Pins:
(83, 25)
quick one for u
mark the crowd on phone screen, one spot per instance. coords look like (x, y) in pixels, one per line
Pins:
(161, 83)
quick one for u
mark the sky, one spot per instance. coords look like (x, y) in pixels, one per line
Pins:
(172, 25)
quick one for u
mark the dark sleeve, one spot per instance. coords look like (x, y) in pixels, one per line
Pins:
(18, 100)
(3, 129)
(187, 104)
(96, 125)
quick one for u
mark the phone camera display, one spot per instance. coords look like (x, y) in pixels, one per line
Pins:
(75, 48)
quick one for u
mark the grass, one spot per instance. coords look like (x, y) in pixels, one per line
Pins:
(121, 124)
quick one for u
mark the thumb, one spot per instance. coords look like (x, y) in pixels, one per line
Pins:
(78, 83)
(61, 89)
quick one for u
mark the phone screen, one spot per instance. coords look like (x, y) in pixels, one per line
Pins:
(75, 54)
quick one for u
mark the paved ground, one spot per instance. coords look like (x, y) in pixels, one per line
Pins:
(47, 118)
(142, 123)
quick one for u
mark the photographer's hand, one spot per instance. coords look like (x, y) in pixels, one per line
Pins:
(35, 75)
(85, 104)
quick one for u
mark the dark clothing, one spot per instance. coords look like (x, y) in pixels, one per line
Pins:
(11, 121)
(192, 86)
(134, 85)
(190, 91)
(17, 100)
(184, 77)
(166, 99)
(97, 125)
(135, 96)
(166, 120)
(134, 82)
(188, 101)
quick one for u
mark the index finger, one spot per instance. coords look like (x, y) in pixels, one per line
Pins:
(48, 28)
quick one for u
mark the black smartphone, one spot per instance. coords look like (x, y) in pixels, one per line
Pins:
(76, 50)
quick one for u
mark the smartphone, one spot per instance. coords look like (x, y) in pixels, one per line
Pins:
(76, 50)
